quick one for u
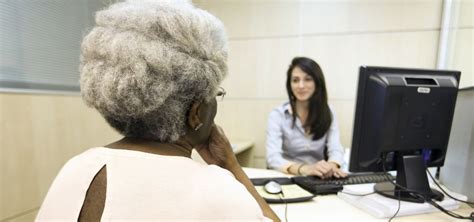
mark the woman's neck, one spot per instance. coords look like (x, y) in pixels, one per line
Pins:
(302, 106)
(302, 109)
(178, 148)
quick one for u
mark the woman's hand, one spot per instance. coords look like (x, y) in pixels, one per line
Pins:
(337, 172)
(323, 169)
(218, 150)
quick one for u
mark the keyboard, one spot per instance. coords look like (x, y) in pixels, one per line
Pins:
(319, 186)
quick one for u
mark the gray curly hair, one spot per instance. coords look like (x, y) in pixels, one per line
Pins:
(145, 62)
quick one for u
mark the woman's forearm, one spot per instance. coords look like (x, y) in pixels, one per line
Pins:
(242, 178)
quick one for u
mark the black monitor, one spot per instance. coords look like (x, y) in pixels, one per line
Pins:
(402, 122)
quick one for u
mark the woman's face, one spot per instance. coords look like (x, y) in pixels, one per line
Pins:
(302, 85)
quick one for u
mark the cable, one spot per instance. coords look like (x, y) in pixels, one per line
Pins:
(282, 197)
(447, 194)
(450, 213)
(366, 194)
(404, 189)
(399, 204)
(424, 196)
(444, 191)
(438, 170)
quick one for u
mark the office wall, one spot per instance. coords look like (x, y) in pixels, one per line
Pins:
(461, 54)
(38, 134)
(340, 35)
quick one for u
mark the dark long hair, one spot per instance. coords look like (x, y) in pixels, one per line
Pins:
(319, 116)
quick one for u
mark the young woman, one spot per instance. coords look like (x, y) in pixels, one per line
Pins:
(302, 134)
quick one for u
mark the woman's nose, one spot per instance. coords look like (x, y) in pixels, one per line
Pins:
(300, 84)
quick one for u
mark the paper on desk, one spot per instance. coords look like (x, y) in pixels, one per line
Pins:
(383, 207)
(291, 191)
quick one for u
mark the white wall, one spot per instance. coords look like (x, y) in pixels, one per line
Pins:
(340, 35)
(461, 51)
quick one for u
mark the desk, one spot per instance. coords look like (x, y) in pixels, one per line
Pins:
(331, 208)
(241, 146)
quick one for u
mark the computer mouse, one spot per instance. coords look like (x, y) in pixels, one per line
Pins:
(272, 187)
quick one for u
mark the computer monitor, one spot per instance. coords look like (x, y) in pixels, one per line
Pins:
(402, 122)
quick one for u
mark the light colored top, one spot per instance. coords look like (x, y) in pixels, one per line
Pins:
(287, 145)
(177, 189)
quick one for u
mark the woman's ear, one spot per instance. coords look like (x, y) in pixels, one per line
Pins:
(194, 121)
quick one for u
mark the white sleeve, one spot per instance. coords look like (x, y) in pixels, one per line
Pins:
(335, 148)
(274, 141)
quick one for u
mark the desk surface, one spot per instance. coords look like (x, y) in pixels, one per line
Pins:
(241, 146)
(330, 207)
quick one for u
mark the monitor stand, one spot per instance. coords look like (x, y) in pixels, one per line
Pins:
(411, 173)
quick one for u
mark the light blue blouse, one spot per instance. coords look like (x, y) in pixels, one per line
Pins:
(286, 145)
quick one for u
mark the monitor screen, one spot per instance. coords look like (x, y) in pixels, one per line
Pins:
(402, 112)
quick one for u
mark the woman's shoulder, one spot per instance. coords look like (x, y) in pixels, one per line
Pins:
(83, 159)
(216, 178)
(218, 174)
(81, 167)
(281, 109)
(69, 186)
(332, 110)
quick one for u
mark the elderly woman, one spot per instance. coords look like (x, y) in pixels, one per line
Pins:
(152, 69)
